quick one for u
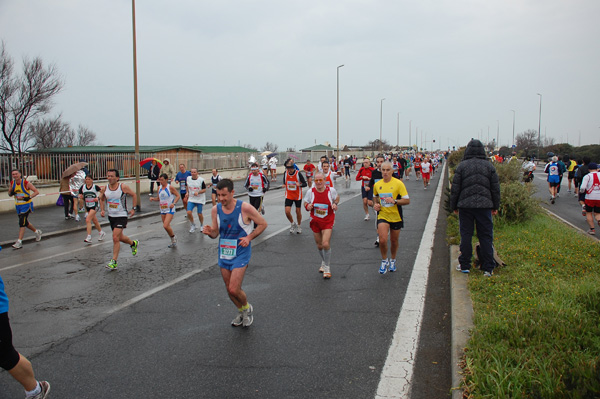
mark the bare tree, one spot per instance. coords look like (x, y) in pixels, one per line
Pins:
(84, 136)
(50, 133)
(374, 145)
(270, 147)
(24, 99)
(526, 143)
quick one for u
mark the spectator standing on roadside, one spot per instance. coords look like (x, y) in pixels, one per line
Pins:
(65, 193)
(12, 361)
(168, 169)
(153, 176)
(475, 197)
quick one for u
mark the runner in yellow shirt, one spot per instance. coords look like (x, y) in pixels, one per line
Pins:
(388, 194)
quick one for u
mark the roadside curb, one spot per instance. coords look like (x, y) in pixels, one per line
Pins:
(462, 320)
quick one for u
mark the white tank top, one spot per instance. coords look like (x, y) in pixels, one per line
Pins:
(116, 201)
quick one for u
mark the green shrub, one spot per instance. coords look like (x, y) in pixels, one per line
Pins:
(455, 158)
(509, 172)
(517, 203)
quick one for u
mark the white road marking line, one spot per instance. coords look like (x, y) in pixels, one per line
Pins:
(396, 376)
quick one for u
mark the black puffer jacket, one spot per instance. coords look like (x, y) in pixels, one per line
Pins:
(475, 183)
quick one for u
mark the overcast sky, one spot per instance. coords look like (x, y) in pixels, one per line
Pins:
(236, 72)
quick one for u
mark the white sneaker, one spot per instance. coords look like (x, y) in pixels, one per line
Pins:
(193, 228)
(38, 235)
(298, 229)
(101, 236)
(85, 216)
(88, 239)
(247, 316)
(293, 228)
(18, 244)
(367, 217)
(77, 218)
(322, 268)
(173, 242)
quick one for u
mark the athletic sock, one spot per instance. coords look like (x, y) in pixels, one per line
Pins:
(35, 391)
(327, 256)
(245, 307)
(322, 254)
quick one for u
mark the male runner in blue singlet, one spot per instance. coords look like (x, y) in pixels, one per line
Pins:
(232, 221)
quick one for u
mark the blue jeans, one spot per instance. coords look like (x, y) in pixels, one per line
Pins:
(468, 218)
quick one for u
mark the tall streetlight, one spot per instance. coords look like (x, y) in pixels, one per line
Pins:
(135, 113)
(513, 143)
(381, 126)
(338, 110)
(398, 132)
(539, 127)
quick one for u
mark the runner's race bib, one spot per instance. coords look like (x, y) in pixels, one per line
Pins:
(113, 204)
(383, 196)
(227, 248)
(90, 203)
(321, 210)
(292, 186)
(164, 205)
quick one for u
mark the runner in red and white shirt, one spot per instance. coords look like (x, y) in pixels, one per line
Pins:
(426, 172)
(364, 176)
(591, 186)
(309, 170)
(417, 165)
(322, 201)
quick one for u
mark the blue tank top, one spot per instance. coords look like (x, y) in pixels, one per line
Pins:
(3, 298)
(231, 229)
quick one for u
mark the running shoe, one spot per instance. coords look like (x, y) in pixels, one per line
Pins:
(376, 243)
(238, 320)
(367, 217)
(85, 216)
(173, 242)
(38, 235)
(77, 218)
(101, 236)
(134, 247)
(583, 212)
(322, 268)
(247, 316)
(67, 218)
(383, 267)
(193, 228)
(293, 228)
(88, 239)
(591, 232)
(262, 209)
(298, 229)
(112, 265)
(18, 244)
(45, 386)
(392, 265)
(326, 272)
(487, 274)
(552, 200)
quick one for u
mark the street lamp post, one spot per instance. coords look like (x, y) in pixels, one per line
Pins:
(513, 143)
(539, 126)
(338, 110)
(381, 126)
(398, 132)
(135, 113)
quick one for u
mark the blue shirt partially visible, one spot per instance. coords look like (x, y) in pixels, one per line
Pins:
(3, 298)
(181, 178)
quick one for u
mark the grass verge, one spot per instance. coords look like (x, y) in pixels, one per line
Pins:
(537, 321)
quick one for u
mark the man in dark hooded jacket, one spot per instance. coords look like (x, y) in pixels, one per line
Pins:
(475, 197)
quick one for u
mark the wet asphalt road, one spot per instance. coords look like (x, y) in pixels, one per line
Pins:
(159, 326)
